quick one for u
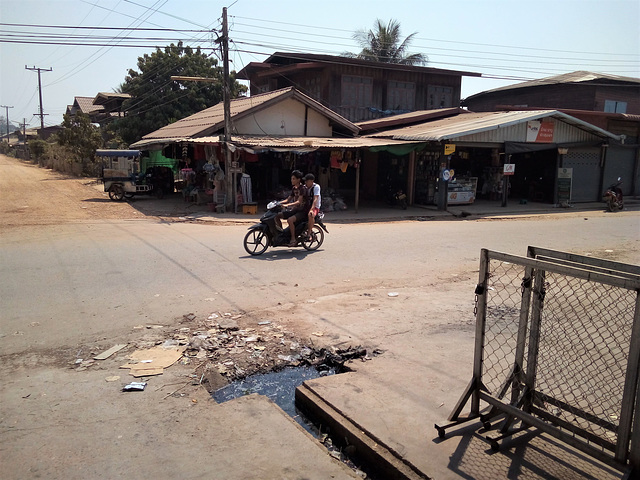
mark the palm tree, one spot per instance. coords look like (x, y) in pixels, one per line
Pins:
(382, 44)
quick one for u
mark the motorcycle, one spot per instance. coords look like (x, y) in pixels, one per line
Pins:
(397, 197)
(267, 234)
(613, 197)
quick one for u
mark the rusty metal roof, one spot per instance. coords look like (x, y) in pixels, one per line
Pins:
(85, 105)
(580, 76)
(473, 123)
(408, 118)
(279, 58)
(268, 142)
(210, 120)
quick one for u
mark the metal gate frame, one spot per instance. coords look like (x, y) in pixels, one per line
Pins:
(522, 405)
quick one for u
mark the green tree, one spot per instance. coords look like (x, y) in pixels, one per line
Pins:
(156, 100)
(80, 136)
(383, 44)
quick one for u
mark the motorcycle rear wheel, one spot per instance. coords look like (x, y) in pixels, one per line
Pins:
(612, 204)
(317, 237)
(256, 242)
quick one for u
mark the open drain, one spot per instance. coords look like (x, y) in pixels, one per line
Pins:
(279, 386)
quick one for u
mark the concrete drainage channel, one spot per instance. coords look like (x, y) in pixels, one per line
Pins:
(282, 385)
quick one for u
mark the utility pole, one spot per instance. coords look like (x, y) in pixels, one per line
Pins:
(6, 107)
(41, 114)
(24, 136)
(226, 98)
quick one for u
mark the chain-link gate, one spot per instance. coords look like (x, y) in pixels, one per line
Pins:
(557, 347)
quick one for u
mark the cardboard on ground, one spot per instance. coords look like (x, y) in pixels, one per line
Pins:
(153, 361)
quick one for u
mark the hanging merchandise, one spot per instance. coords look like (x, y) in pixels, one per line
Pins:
(343, 166)
(245, 185)
(336, 157)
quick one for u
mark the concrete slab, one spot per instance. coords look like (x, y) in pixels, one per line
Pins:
(392, 405)
(88, 428)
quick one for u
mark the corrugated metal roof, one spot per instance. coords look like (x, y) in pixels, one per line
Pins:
(257, 142)
(475, 123)
(85, 104)
(211, 119)
(313, 142)
(405, 118)
(286, 57)
(579, 76)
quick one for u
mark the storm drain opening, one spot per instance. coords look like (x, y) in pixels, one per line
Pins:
(280, 386)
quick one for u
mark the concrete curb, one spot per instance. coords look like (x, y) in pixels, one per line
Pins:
(377, 456)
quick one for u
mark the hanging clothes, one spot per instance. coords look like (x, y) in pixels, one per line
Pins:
(245, 186)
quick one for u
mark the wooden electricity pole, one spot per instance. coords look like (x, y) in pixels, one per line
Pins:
(230, 171)
(41, 114)
(226, 98)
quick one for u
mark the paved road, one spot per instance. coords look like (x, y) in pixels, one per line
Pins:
(87, 279)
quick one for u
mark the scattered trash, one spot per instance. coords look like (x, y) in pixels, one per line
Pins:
(266, 322)
(228, 324)
(27, 396)
(393, 294)
(134, 387)
(112, 378)
(34, 324)
(318, 334)
(190, 317)
(194, 400)
(107, 353)
(213, 316)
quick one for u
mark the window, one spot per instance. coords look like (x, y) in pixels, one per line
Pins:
(613, 106)
(401, 95)
(356, 91)
(312, 87)
(439, 97)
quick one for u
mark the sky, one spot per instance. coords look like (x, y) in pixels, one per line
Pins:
(507, 41)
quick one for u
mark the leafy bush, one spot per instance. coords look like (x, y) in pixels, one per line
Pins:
(38, 148)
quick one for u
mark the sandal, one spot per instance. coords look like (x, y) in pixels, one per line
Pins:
(292, 244)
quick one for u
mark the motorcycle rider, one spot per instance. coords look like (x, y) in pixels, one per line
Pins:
(294, 205)
(314, 201)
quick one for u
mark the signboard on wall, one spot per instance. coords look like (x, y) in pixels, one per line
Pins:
(540, 132)
(509, 169)
(565, 176)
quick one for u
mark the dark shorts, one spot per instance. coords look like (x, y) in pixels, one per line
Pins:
(298, 215)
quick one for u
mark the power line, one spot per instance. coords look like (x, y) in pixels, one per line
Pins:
(133, 29)
(439, 40)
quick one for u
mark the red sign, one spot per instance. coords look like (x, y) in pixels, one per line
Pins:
(540, 132)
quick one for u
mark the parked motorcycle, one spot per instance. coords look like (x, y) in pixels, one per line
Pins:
(613, 197)
(397, 197)
(266, 233)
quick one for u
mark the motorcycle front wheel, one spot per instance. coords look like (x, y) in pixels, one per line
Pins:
(256, 242)
(315, 240)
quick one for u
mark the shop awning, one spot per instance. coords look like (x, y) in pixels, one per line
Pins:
(300, 144)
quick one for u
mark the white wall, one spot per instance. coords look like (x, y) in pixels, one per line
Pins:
(285, 118)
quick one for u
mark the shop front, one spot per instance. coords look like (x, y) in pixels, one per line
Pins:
(478, 155)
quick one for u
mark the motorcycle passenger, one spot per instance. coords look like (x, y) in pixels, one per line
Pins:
(314, 201)
(294, 205)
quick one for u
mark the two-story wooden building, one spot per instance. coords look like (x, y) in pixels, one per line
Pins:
(357, 89)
